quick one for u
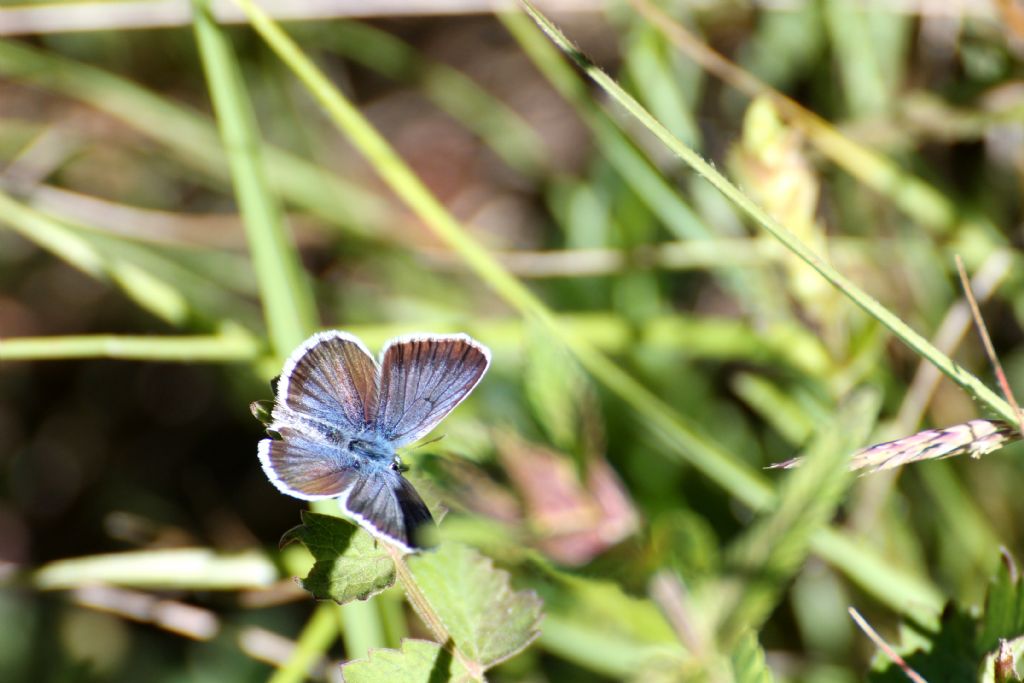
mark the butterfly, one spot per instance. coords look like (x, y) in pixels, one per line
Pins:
(339, 416)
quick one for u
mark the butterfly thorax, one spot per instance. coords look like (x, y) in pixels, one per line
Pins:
(372, 447)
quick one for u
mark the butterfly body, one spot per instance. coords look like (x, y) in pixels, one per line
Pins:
(339, 417)
(373, 449)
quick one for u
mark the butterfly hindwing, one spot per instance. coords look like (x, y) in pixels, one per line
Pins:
(305, 464)
(387, 505)
(422, 379)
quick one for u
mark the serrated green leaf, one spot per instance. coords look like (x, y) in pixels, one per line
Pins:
(419, 661)
(350, 563)
(748, 665)
(965, 645)
(1004, 610)
(937, 652)
(488, 621)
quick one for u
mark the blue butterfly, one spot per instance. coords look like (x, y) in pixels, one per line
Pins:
(338, 417)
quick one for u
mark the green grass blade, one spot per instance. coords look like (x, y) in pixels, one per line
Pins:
(861, 75)
(912, 339)
(361, 627)
(286, 295)
(658, 82)
(315, 639)
(966, 526)
(497, 125)
(192, 138)
(634, 168)
(879, 576)
(151, 293)
(231, 345)
(184, 568)
(776, 407)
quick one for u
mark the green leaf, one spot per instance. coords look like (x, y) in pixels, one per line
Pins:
(488, 621)
(965, 645)
(747, 659)
(350, 563)
(419, 661)
(1004, 609)
(937, 652)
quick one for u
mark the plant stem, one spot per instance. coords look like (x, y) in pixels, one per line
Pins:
(426, 612)
(361, 628)
(234, 346)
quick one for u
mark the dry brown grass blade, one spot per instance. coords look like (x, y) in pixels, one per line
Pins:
(884, 646)
(986, 341)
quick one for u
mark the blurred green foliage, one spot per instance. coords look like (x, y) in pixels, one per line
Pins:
(179, 206)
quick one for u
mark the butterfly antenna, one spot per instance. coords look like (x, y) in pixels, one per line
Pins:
(427, 443)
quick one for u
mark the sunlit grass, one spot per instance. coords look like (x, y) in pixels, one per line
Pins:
(689, 350)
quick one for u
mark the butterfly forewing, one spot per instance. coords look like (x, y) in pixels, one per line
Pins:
(422, 380)
(331, 378)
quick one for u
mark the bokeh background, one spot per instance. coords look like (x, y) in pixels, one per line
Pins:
(133, 324)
